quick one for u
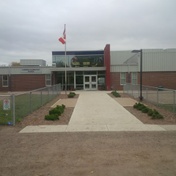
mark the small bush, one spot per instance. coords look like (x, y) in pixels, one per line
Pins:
(141, 107)
(145, 110)
(135, 105)
(115, 93)
(159, 116)
(55, 113)
(156, 115)
(71, 94)
(52, 117)
(150, 112)
(153, 113)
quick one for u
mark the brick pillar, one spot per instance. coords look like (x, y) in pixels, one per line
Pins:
(107, 65)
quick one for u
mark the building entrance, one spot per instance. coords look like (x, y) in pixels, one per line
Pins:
(90, 82)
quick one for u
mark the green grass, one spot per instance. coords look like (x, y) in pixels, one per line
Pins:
(168, 107)
(115, 93)
(24, 105)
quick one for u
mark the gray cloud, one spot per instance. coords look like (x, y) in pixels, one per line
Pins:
(30, 29)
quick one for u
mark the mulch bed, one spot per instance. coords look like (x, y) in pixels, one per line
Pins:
(37, 117)
(169, 117)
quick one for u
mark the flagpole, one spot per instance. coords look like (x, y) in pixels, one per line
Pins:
(65, 65)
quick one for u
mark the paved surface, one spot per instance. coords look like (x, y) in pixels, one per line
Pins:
(97, 111)
(67, 102)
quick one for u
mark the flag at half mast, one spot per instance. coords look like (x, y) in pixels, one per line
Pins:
(63, 38)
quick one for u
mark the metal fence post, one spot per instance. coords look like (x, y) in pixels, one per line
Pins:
(157, 98)
(48, 93)
(41, 97)
(174, 101)
(30, 102)
(146, 93)
(13, 109)
(52, 91)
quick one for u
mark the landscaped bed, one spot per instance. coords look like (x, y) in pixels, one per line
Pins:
(169, 117)
(38, 117)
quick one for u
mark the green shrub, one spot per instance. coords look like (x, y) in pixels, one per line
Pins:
(159, 116)
(139, 106)
(71, 94)
(153, 113)
(135, 105)
(55, 113)
(52, 117)
(115, 93)
(145, 110)
(150, 112)
(156, 115)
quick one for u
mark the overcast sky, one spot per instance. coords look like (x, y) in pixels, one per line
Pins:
(29, 29)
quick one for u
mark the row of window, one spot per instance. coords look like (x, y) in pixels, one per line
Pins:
(123, 79)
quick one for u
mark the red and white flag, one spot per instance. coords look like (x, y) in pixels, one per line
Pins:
(63, 38)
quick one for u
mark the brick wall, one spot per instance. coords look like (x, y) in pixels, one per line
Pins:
(27, 82)
(165, 79)
(115, 81)
(107, 65)
(24, 83)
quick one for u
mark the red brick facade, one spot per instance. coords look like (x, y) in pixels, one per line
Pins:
(107, 65)
(165, 79)
(115, 81)
(24, 82)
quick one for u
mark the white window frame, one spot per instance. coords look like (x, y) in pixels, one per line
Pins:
(134, 77)
(5, 82)
(122, 78)
(48, 79)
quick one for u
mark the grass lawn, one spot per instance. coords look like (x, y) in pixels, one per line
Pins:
(24, 105)
(168, 107)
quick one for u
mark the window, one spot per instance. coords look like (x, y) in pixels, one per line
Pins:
(5, 81)
(134, 78)
(48, 80)
(122, 78)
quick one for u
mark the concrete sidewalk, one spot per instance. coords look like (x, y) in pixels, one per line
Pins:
(97, 111)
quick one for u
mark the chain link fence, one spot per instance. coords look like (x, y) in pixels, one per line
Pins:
(14, 107)
(165, 98)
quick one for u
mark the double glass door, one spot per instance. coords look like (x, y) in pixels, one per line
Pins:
(90, 82)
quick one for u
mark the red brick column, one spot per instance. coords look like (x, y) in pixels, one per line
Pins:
(107, 65)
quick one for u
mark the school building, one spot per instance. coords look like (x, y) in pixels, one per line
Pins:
(93, 70)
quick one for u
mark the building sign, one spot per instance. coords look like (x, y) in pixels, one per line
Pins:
(6, 104)
(31, 70)
(87, 61)
(79, 61)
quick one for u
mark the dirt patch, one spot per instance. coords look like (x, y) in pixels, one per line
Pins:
(92, 153)
(86, 154)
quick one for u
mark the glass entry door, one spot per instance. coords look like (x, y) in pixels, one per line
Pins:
(90, 82)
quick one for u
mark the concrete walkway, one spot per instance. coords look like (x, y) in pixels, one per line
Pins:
(97, 111)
